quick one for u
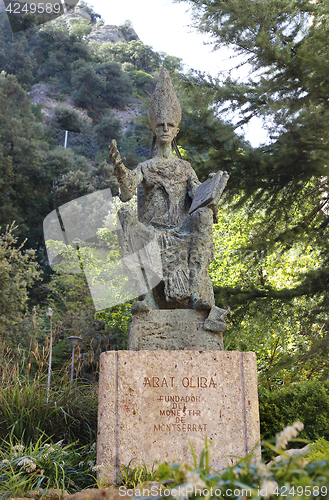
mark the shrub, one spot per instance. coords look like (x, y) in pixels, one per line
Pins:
(318, 450)
(62, 160)
(118, 87)
(144, 82)
(307, 402)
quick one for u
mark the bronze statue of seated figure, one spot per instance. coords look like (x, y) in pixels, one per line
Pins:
(166, 186)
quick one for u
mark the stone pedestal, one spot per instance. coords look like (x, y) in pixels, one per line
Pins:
(172, 329)
(152, 403)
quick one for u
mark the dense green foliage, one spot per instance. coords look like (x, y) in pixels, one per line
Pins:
(18, 271)
(304, 402)
(318, 450)
(290, 345)
(96, 86)
(248, 478)
(279, 296)
(288, 56)
(69, 119)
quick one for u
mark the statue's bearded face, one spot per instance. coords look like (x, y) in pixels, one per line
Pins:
(166, 132)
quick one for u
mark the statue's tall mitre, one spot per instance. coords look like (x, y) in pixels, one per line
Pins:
(164, 106)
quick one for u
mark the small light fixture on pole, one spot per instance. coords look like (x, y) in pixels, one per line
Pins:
(74, 341)
(49, 314)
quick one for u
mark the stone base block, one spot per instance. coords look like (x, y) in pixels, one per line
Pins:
(152, 403)
(172, 329)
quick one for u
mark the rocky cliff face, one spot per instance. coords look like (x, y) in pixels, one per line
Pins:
(78, 13)
(103, 34)
(113, 34)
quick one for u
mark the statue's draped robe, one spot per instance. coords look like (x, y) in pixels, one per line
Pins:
(166, 188)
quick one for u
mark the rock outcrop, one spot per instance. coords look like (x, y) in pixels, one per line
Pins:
(113, 34)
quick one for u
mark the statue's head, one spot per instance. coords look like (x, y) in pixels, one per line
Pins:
(164, 112)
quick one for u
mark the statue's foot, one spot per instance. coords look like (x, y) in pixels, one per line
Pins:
(141, 306)
(216, 320)
(201, 305)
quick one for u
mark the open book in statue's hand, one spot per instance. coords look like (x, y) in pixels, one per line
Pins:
(210, 191)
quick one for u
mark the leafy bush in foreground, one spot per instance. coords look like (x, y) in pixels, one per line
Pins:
(318, 450)
(247, 479)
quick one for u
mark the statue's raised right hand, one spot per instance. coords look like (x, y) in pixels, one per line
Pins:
(116, 158)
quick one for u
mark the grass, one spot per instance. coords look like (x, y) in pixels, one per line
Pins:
(45, 465)
(130, 477)
(27, 412)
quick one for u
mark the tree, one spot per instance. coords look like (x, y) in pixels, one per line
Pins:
(18, 271)
(88, 8)
(286, 45)
(87, 85)
(141, 56)
(290, 345)
(80, 27)
(56, 50)
(68, 119)
(108, 128)
(96, 85)
(71, 186)
(22, 153)
(172, 63)
(118, 87)
(143, 81)
(289, 58)
(28, 167)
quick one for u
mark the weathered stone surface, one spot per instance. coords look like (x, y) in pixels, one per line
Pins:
(164, 105)
(113, 34)
(114, 493)
(215, 322)
(51, 494)
(166, 187)
(76, 13)
(97, 494)
(152, 403)
(209, 190)
(172, 329)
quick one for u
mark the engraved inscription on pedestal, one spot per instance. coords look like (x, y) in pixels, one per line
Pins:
(151, 404)
(182, 413)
